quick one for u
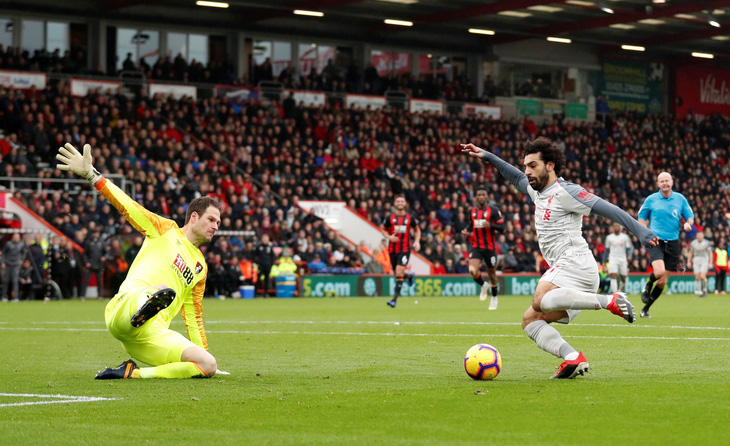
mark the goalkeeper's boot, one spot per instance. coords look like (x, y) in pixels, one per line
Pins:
(620, 306)
(122, 371)
(391, 303)
(156, 302)
(571, 369)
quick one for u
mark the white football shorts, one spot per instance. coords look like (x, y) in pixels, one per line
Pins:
(620, 267)
(700, 265)
(578, 272)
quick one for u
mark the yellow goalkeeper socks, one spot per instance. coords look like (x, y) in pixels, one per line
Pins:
(172, 370)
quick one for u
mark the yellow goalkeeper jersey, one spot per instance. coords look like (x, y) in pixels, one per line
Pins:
(167, 258)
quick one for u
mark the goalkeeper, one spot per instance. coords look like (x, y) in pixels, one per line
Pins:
(167, 276)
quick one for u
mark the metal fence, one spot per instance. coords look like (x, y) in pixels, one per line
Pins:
(72, 186)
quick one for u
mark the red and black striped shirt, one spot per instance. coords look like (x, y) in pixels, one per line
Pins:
(482, 236)
(400, 225)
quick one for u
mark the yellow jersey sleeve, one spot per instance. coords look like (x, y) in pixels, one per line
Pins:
(192, 314)
(146, 222)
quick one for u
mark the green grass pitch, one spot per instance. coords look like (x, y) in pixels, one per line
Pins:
(353, 371)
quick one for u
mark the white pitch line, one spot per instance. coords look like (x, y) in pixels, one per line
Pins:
(450, 335)
(59, 399)
(458, 323)
(52, 329)
(312, 322)
(386, 334)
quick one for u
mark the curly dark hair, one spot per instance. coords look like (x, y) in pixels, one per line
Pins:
(548, 151)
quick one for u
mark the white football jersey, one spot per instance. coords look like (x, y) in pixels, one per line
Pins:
(700, 250)
(559, 212)
(618, 247)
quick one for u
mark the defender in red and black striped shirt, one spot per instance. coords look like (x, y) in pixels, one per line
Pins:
(397, 228)
(483, 221)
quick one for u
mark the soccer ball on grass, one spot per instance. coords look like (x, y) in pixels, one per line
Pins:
(483, 362)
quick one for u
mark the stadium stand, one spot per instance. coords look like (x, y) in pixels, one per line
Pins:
(258, 160)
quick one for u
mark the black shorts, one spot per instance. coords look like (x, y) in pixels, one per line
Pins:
(487, 256)
(399, 259)
(668, 251)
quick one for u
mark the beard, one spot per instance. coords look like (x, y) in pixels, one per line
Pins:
(541, 181)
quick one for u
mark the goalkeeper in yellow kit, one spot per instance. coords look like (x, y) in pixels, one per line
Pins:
(167, 276)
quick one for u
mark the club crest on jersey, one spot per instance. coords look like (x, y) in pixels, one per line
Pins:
(198, 268)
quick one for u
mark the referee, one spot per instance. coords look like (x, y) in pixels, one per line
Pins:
(662, 212)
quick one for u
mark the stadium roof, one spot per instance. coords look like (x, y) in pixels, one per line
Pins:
(667, 29)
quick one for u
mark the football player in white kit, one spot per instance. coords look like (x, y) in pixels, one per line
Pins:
(570, 284)
(618, 250)
(699, 257)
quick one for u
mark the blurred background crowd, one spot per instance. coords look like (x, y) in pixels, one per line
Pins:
(259, 160)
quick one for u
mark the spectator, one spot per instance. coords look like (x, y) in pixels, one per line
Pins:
(128, 64)
(26, 282)
(133, 250)
(94, 250)
(462, 267)
(438, 269)
(248, 271)
(382, 257)
(13, 254)
(316, 265)
(510, 262)
(720, 260)
(449, 267)
(264, 255)
(61, 268)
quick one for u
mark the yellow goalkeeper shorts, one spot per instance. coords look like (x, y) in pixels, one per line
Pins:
(153, 343)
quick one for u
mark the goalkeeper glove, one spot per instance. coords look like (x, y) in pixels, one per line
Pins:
(77, 163)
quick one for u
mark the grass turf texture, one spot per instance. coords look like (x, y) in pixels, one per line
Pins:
(339, 371)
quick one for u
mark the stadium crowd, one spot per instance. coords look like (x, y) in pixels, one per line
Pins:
(332, 78)
(258, 160)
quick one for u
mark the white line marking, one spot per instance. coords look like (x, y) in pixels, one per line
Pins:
(450, 335)
(52, 329)
(311, 322)
(458, 323)
(59, 399)
(346, 333)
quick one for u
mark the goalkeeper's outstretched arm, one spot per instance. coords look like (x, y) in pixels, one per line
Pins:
(71, 159)
(144, 221)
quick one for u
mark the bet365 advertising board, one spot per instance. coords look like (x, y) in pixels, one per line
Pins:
(428, 286)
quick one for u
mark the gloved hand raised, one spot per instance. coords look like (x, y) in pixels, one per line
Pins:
(77, 163)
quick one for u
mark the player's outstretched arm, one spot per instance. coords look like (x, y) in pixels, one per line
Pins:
(513, 174)
(71, 160)
(149, 224)
(614, 213)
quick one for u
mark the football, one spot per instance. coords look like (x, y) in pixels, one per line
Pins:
(483, 362)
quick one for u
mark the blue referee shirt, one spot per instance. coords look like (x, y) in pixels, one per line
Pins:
(664, 214)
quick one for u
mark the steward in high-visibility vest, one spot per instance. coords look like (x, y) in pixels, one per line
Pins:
(719, 256)
(249, 271)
